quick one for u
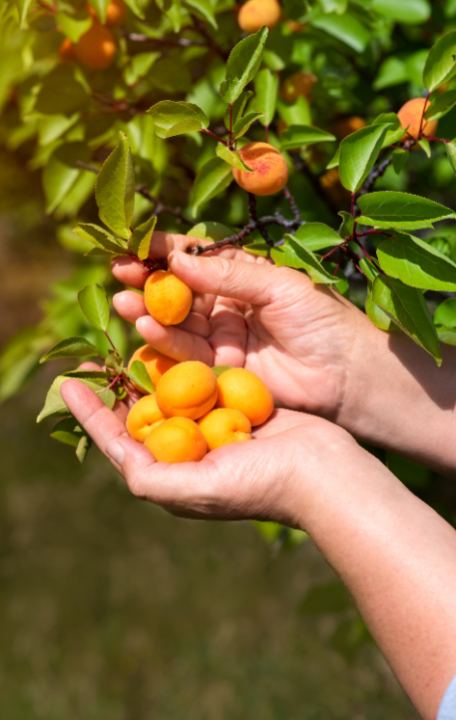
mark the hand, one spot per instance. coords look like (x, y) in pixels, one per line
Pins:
(297, 336)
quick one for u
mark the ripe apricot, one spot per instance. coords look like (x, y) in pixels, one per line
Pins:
(225, 426)
(168, 299)
(187, 390)
(116, 13)
(346, 126)
(67, 51)
(411, 117)
(242, 390)
(177, 440)
(270, 172)
(256, 13)
(143, 417)
(299, 84)
(156, 363)
(97, 47)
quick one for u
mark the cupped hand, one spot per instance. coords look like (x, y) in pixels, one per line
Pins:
(268, 478)
(297, 336)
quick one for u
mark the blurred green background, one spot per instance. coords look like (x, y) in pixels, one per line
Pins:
(112, 610)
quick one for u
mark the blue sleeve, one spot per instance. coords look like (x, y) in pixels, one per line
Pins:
(448, 707)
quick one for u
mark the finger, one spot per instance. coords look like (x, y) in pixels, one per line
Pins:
(174, 342)
(228, 334)
(196, 324)
(89, 366)
(245, 281)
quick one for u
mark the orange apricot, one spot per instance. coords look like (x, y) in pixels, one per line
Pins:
(346, 126)
(270, 171)
(168, 299)
(299, 84)
(143, 417)
(177, 440)
(156, 363)
(225, 426)
(242, 390)
(187, 390)
(116, 13)
(67, 51)
(97, 47)
(411, 117)
(256, 13)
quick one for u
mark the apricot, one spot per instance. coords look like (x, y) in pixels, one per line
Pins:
(143, 417)
(242, 390)
(156, 363)
(270, 172)
(225, 426)
(97, 47)
(168, 299)
(116, 13)
(411, 115)
(346, 126)
(187, 390)
(299, 84)
(177, 440)
(256, 13)
(67, 51)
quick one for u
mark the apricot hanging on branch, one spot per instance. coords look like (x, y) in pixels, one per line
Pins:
(270, 171)
(412, 119)
(254, 14)
(97, 47)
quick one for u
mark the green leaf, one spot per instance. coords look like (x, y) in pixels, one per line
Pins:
(203, 8)
(94, 304)
(238, 108)
(348, 224)
(115, 189)
(266, 94)
(140, 241)
(298, 136)
(177, 118)
(395, 131)
(446, 335)
(376, 315)
(213, 178)
(417, 263)
(451, 152)
(211, 231)
(135, 7)
(61, 93)
(243, 124)
(345, 28)
(425, 146)
(392, 71)
(296, 114)
(412, 12)
(399, 158)
(446, 314)
(232, 157)
(441, 62)
(441, 105)
(334, 162)
(70, 348)
(54, 405)
(407, 308)
(338, 6)
(68, 431)
(316, 236)
(171, 76)
(23, 7)
(295, 254)
(100, 237)
(140, 377)
(358, 153)
(220, 369)
(73, 26)
(401, 211)
(62, 172)
(243, 64)
(100, 7)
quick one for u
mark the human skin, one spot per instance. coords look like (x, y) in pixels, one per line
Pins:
(394, 553)
(314, 350)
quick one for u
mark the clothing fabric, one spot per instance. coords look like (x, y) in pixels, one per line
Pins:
(448, 707)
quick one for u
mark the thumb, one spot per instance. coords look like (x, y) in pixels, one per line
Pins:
(247, 282)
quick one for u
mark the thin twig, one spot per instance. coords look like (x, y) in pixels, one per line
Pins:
(293, 206)
(180, 42)
(254, 217)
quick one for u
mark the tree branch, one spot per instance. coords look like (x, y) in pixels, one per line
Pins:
(302, 166)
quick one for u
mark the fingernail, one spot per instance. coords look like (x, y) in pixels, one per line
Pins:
(188, 261)
(116, 452)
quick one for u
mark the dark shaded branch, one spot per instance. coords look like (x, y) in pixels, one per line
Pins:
(302, 166)
(277, 219)
(293, 206)
(254, 218)
(180, 42)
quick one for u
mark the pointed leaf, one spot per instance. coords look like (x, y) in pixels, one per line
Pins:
(213, 178)
(115, 189)
(407, 308)
(395, 131)
(73, 26)
(211, 231)
(417, 263)
(377, 316)
(62, 172)
(177, 118)
(242, 65)
(100, 7)
(68, 431)
(141, 239)
(348, 224)
(400, 158)
(267, 92)
(346, 28)
(446, 314)
(70, 348)
(100, 237)
(23, 7)
(451, 152)
(425, 146)
(413, 12)
(135, 7)
(54, 405)
(140, 377)
(204, 8)
(232, 157)
(401, 211)
(239, 106)
(316, 236)
(297, 136)
(94, 304)
(441, 105)
(441, 62)
(358, 153)
(243, 124)
(295, 254)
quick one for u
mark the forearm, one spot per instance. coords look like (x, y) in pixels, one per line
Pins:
(397, 398)
(398, 558)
